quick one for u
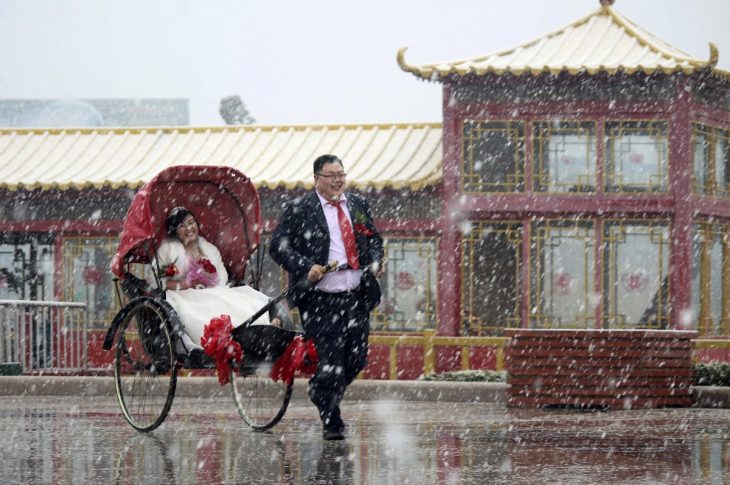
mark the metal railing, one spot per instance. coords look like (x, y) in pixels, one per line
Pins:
(44, 336)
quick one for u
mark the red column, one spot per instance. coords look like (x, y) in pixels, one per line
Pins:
(449, 258)
(680, 179)
(57, 267)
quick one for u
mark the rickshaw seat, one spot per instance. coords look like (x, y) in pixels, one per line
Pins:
(264, 342)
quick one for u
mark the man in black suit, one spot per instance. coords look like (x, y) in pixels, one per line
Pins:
(323, 226)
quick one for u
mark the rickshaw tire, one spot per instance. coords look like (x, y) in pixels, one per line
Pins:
(250, 385)
(174, 324)
(113, 327)
(152, 361)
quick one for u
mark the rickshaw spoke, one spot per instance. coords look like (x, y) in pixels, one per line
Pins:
(145, 367)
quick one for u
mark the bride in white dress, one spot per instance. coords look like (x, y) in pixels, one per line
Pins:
(192, 272)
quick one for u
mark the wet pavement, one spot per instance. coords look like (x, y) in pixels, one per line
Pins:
(67, 439)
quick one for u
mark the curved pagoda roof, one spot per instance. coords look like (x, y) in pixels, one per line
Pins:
(376, 156)
(603, 42)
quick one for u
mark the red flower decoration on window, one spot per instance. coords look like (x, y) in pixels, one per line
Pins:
(562, 282)
(636, 281)
(92, 275)
(363, 229)
(207, 265)
(636, 158)
(404, 281)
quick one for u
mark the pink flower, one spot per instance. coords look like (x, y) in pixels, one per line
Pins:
(93, 275)
(200, 274)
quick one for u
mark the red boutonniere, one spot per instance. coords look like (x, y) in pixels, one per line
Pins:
(168, 271)
(207, 265)
(363, 229)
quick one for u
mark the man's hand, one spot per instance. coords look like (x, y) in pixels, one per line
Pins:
(378, 268)
(316, 273)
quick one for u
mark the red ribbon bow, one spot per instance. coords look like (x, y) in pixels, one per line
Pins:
(300, 356)
(218, 343)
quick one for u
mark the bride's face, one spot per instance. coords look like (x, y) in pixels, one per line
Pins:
(187, 231)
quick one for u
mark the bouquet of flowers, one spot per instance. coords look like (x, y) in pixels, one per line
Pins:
(202, 273)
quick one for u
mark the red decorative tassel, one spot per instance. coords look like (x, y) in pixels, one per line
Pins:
(218, 344)
(299, 357)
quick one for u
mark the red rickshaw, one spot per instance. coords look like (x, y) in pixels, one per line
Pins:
(145, 333)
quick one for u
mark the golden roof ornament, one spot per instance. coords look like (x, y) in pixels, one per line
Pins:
(603, 41)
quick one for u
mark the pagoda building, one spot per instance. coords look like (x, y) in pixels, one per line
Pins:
(585, 184)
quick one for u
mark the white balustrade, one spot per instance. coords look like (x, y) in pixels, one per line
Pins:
(44, 336)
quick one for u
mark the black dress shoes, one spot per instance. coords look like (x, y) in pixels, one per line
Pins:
(333, 434)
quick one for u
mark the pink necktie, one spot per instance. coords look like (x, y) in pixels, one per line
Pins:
(348, 237)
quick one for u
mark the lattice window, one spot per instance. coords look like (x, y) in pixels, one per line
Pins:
(491, 277)
(87, 278)
(636, 156)
(636, 274)
(563, 274)
(710, 278)
(26, 267)
(494, 156)
(409, 302)
(711, 160)
(565, 156)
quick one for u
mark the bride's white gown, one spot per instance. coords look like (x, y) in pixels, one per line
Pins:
(196, 307)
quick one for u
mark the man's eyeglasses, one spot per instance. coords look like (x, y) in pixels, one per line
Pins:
(340, 175)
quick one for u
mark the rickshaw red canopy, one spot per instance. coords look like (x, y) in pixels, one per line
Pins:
(223, 200)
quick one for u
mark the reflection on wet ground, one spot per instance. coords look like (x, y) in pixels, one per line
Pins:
(86, 440)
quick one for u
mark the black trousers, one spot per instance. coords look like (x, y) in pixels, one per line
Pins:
(339, 324)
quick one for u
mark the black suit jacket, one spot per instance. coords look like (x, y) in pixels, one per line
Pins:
(301, 239)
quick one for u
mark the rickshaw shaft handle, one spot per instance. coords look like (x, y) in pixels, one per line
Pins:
(303, 283)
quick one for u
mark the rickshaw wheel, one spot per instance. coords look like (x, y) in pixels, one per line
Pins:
(145, 367)
(260, 401)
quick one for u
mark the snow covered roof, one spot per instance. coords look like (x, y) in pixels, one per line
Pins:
(377, 156)
(603, 42)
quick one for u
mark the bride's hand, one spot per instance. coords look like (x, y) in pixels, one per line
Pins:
(177, 285)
